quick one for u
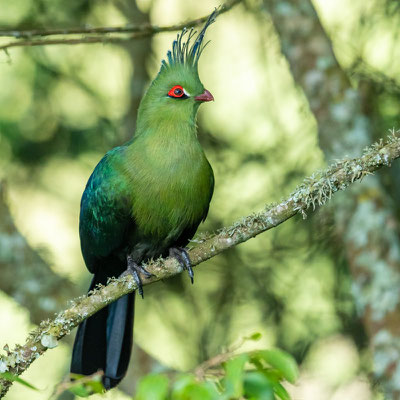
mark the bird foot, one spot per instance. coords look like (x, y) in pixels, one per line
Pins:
(135, 270)
(182, 256)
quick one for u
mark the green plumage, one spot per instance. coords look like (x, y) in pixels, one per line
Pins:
(155, 188)
(145, 197)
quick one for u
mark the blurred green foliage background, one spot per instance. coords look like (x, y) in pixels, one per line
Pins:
(63, 107)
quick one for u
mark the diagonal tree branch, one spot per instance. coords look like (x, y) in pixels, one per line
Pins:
(30, 38)
(315, 190)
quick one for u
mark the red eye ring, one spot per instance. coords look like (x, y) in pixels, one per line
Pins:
(177, 91)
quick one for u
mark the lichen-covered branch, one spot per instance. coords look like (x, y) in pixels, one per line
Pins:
(314, 191)
(121, 34)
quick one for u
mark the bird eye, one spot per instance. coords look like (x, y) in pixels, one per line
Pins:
(177, 92)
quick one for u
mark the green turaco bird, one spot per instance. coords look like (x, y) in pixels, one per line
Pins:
(144, 199)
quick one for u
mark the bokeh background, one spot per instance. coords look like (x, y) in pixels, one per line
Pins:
(297, 84)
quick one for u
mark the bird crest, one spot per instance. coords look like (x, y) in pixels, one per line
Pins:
(185, 51)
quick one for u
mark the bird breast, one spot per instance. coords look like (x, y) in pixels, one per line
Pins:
(172, 190)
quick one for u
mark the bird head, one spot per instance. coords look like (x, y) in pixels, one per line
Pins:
(176, 92)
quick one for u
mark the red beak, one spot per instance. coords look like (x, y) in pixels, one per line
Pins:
(205, 96)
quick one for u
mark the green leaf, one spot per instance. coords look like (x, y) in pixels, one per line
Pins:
(79, 390)
(274, 377)
(280, 391)
(15, 378)
(258, 386)
(95, 386)
(198, 391)
(83, 387)
(256, 360)
(255, 336)
(153, 387)
(180, 384)
(234, 370)
(186, 387)
(282, 361)
(211, 389)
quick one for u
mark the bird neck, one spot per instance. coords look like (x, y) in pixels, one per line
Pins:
(164, 148)
(167, 128)
(165, 139)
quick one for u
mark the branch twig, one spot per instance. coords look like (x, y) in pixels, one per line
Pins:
(29, 38)
(315, 190)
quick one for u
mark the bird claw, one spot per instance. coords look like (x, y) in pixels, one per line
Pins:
(182, 256)
(135, 270)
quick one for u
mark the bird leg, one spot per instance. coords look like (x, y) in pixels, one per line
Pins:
(135, 270)
(182, 256)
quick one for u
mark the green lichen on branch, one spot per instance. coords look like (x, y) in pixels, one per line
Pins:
(314, 191)
(319, 187)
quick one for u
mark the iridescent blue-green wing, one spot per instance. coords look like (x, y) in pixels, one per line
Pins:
(105, 216)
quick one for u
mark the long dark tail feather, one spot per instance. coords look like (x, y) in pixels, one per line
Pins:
(104, 341)
(119, 339)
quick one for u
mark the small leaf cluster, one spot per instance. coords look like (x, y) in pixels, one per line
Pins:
(255, 375)
(83, 386)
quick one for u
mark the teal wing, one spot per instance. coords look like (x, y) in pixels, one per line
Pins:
(105, 217)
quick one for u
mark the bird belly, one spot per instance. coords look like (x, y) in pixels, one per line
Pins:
(170, 202)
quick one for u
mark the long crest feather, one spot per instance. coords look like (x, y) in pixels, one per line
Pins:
(183, 52)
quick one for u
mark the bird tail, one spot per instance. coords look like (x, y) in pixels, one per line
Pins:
(104, 340)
